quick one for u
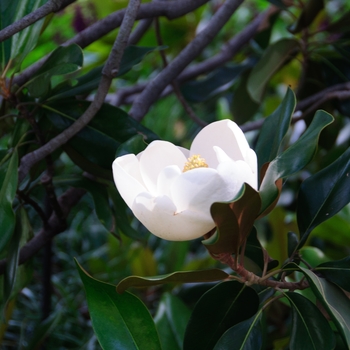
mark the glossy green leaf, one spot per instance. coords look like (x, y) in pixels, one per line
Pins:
(7, 195)
(171, 320)
(274, 129)
(322, 195)
(246, 335)
(295, 158)
(88, 82)
(134, 145)
(100, 139)
(217, 81)
(333, 300)
(64, 60)
(308, 14)
(219, 309)
(234, 221)
(310, 329)
(272, 60)
(337, 272)
(175, 277)
(119, 321)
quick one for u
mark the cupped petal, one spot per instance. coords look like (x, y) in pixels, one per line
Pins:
(159, 216)
(234, 174)
(166, 178)
(225, 134)
(157, 156)
(252, 160)
(127, 177)
(198, 189)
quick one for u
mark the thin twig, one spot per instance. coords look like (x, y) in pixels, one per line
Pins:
(139, 31)
(110, 70)
(150, 94)
(50, 7)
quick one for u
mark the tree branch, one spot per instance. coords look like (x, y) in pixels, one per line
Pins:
(171, 9)
(150, 94)
(50, 7)
(230, 50)
(110, 70)
(55, 226)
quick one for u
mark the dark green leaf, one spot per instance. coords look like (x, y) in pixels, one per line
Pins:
(293, 241)
(219, 309)
(134, 145)
(42, 330)
(309, 13)
(310, 329)
(119, 321)
(272, 60)
(274, 129)
(99, 141)
(234, 221)
(88, 82)
(243, 107)
(13, 256)
(7, 195)
(64, 60)
(337, 272)
(295, 158)
(246, 335)
(278, 3)
(322, 195)
(171, 319)
(175, 277)
(333, 300)
(219, 80)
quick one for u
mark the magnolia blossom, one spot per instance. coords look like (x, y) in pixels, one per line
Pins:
(170, 189)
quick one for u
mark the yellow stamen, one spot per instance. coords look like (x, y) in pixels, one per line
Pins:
(195, 162)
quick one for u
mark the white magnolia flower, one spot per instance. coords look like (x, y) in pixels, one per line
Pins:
(170, 189)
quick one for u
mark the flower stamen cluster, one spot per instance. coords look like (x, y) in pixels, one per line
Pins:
(196, 161)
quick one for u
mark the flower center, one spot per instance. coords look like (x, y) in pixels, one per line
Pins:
(196, 161)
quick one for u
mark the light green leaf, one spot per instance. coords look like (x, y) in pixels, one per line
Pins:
(272, 60)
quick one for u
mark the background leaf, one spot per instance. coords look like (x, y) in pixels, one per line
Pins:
(272, 60)
(119, 321)
(171, 319)
(7, 195)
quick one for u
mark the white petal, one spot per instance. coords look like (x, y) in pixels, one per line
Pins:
(166, 178)
(157, 156)
(197, 190)
(234, 174)
(252, 160)
(160, 218)
(225, 134)
(127, 177)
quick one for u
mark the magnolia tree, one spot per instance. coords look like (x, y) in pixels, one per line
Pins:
(204, 206)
